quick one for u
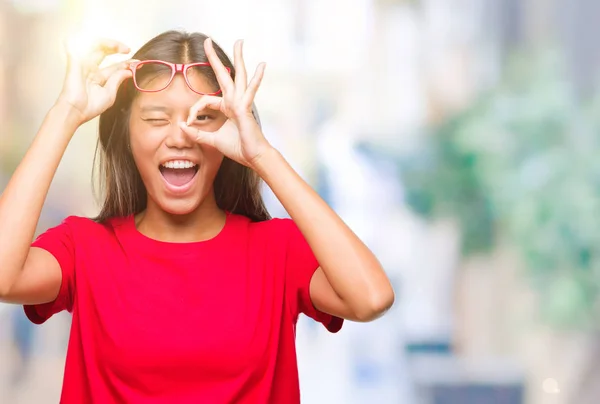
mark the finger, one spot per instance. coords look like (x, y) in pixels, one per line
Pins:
(115, 80)
(101, 49)
(206, 101)
(223, 77)
(104, 74)
(104, 47)
(199, 136)
(254, 84)
(240, 68)
(73, 53)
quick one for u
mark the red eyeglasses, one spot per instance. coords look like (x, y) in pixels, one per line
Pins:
(151, 76)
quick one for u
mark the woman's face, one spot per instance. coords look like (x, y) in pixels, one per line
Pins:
(178, 173)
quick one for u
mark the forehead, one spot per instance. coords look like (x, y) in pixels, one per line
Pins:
(177, 96)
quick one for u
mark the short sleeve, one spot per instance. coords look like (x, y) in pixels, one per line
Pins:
(58, 241)
(301, 264)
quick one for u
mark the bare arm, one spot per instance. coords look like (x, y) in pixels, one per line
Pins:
(350, 282)
(22, 200)
(31, 275)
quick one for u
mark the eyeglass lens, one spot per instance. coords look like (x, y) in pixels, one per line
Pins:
(156, 76)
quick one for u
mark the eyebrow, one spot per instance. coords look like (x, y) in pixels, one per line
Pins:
(153, 108)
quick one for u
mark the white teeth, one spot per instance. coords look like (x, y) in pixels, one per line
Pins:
(178, 164)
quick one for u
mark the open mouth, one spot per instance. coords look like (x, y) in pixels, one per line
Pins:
(178, 173)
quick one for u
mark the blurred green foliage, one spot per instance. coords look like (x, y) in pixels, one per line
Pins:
(522, 165)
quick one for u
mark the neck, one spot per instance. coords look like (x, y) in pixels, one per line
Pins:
(202, 224)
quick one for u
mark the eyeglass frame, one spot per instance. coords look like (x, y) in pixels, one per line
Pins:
(175, 68)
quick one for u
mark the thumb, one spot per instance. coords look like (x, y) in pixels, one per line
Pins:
(70, 53)
(116, 79)
(199, 136)
(206, 101)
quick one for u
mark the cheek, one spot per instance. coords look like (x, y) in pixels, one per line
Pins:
(145, 138)
(143, 147)
(212, 161)
(215, 124)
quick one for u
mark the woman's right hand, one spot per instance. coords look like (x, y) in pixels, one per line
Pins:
(87, 89)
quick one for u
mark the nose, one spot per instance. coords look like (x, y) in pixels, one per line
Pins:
(177, 139)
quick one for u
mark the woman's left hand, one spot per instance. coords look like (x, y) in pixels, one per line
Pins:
(240, 138)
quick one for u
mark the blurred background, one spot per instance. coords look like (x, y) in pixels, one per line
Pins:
(458, 138)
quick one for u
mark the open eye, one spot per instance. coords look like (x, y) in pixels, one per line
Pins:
(201, 118)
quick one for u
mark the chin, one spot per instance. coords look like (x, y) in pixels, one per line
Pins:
(180, 207)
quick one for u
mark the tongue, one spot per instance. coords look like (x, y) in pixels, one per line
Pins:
(178, 176)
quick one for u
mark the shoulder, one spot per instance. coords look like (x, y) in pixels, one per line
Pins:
(85, 226)
(77, 222)
(70, 224)
(279, 229)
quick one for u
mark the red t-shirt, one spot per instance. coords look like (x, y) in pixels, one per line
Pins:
(206, 322)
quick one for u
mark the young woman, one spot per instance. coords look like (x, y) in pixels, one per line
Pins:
(183, 289)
